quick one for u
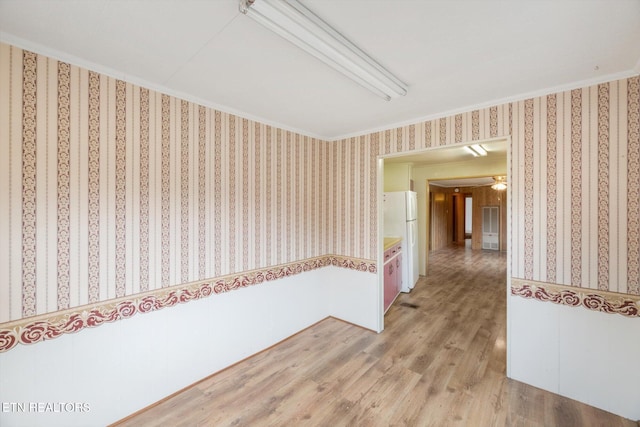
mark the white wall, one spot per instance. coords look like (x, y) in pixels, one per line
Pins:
(353, 296)
(397, 176)
(582, 354)
(119, 368)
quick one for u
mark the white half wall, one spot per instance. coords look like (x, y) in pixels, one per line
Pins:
(582, 354)
(355, 296)
(122, 367)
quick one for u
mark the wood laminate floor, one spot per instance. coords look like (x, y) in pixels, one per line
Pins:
(440, 361)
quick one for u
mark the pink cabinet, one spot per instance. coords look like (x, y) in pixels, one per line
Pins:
(392, 274)
(399, 270)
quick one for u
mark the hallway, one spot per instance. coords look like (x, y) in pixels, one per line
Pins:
(440, 361)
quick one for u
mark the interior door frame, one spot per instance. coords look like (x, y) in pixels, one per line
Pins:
(380, 227)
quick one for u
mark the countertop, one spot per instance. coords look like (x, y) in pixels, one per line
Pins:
(390, 241)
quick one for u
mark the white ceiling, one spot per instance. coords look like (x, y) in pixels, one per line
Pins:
(454, 55)
(496, 149)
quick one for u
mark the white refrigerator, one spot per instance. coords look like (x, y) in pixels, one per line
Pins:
(401, 220)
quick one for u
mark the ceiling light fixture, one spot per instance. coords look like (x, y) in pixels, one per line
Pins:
(470, 151)
(500, 183)
(479, 149)
(299, 25)
(475, 150)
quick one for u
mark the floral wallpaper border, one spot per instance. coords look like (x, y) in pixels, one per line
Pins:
(592, 299)
(48, 326)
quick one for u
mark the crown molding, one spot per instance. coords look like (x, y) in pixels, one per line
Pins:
(136, 80)
(498, 101)
(139, 81)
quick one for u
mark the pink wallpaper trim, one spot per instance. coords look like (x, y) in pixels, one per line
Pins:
(53, 325)
(596, 300)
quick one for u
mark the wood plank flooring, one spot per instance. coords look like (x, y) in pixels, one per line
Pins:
(439, 362)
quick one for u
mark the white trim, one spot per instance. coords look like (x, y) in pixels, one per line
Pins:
(509, 255)
(379, 234)
(500, 101)
(61, 56)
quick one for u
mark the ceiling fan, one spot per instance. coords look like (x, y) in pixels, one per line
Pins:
(499, 183)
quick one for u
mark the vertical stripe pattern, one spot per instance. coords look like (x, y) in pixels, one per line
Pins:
(184, 191)
(121, 189)
(603, 187)
(633, 191)
(458, 127)
(528, 189)
(245, 194)
(475, 125)
(576, 187)
(64, 185)
(551, 187)
(493, 122)
(202, 193)
(94, 188)
(217, 166)
(29, 168)
(165, 192)
(115, 189)
(144, 190)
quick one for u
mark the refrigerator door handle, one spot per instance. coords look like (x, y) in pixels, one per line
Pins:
(412, 237)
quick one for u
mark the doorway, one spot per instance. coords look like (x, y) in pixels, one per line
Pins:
(458, 219)
(468, 219)
(439, 163)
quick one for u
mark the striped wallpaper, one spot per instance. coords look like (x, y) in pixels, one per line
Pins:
(575, 180)
(111, 190)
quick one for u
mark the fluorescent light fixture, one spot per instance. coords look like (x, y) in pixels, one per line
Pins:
(476, 150)
(479, 149)
(470, 151)
(299, 25)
